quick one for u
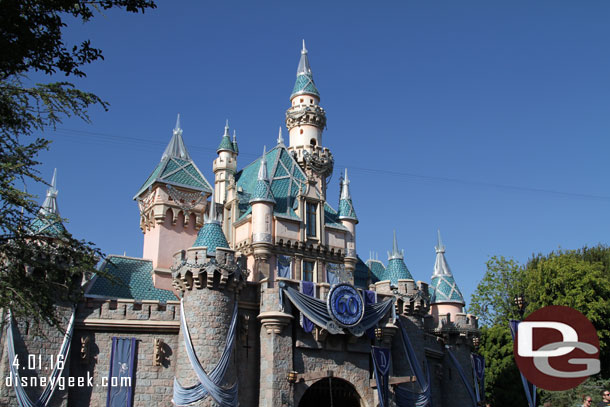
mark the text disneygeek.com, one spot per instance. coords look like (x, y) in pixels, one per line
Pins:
(70, 381)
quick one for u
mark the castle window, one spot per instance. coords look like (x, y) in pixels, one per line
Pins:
(308, 267)
(312, 142)
(311, 101)
(310, 219)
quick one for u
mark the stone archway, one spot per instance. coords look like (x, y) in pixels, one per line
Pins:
(319, 394)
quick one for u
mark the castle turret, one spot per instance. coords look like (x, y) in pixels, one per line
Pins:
(209, 276)
(348, 218)
(48, 222)
(262, 203)
(172, 202)
(225, 165)
(306, 120)
(397, 269)
(446, 298)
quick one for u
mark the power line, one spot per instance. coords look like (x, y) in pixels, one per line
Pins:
(110, 138)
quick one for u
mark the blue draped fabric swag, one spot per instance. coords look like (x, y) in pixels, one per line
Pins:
(22, 398)
(208, 384)
(370, 297)
(463, 376)
(478, 369)
(529, 388)
(381, 363)
(404, 396)
(121, 372)
(284, 266)
(307, 288)
(317, 312)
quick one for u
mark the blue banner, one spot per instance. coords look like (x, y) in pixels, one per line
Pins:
(381, 363)
(478, 367)
(370, 297)
(307, 288)
(530, 389)
(121, 372)
(284, 266)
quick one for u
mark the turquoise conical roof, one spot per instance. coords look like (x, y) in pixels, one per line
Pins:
(346, 207)
(211, 234)
(304, 84)
(176, 167)
(225, 142)
(396, 269)
(234, 143)
(443, 286)
(262, 189)
(48, 222)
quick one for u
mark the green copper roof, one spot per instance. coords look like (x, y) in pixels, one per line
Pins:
(396, 270)
(443, 286)
(225, 145)
(177, 172)
(50, 225)
(304, 85)
(262, 189)
(377, 270)
(445, 289)
(211, 236)
(134, 281)
(331, 218)
(176, 167)
(47, 221)
(346, 210)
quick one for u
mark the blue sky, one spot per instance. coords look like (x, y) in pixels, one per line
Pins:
(486, 120)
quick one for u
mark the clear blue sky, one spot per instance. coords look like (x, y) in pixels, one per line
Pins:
(488, 120)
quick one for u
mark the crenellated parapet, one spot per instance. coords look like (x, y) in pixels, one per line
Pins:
(195, 268)
(300, 114)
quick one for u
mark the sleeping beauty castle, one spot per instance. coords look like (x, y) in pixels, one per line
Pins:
(250, 292)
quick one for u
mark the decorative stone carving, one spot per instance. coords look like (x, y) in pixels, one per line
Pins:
(274, 321)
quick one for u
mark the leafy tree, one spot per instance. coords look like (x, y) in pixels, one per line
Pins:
(493, 299)
(579, 279)
(35, 271)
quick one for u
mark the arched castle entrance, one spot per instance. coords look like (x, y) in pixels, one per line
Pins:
(319, 394)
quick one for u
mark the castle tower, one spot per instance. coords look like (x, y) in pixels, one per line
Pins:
(306, 120)
(397, 269)
(48, 222)
(446, 298)
(348, 218)
(262, 203)
(172, 202)
(225, 165)
(209, 277)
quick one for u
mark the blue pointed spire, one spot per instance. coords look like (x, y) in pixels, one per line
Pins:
(262, 189)
(346, 207)
(211, 234)
(235, 148)
(397, 269)
(225, 141)
(304, 84)
(443, 286)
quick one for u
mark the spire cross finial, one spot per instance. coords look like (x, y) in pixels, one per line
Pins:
(280, 139)
(54, 180)
(212, 212)
(345, 187)
(395, 254)
(440, 248)
(234, 136)
(304, 50)
(177, 128)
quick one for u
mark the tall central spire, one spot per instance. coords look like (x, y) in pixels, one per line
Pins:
(49, 206)
(176, 147)
(304, 84)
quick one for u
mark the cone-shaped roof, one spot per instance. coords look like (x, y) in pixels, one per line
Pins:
(176, 147)
(211, 234)
(176, 167)
(225, 142)
(235, 148)
(397, 269)
(443, 286)
(262, 189)
(304, 84)
(346, 207)
(48, 222)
